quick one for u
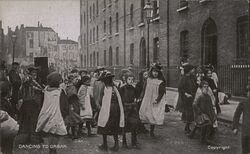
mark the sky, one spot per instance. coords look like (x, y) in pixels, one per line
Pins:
(61, 15)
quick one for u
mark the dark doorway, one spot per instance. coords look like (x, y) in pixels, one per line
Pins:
(209, 43)
(143, 53)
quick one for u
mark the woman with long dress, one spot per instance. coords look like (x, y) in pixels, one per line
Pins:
(153, 103)
(111, 114)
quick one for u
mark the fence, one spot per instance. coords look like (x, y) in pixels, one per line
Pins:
(232, 78)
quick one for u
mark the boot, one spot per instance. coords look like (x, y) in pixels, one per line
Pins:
(104, 146)
(152, 127)
(115, 148)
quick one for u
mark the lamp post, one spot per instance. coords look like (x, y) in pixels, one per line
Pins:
(13, 38)
(148, 13)
(248, 85)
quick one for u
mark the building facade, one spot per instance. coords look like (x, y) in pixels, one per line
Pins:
(207, 32)
(68, 54)
(32, 42)
(114, 33)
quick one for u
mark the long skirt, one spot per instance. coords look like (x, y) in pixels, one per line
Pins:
(112, 127)
(132, 119)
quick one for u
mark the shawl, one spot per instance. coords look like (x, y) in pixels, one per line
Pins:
(105, 109)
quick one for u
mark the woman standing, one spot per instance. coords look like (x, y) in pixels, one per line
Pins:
(153, 103)
(54, 110)
(111, 115)
(187, 89)
(84, 95)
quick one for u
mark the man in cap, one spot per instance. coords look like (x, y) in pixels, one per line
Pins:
(16, 82)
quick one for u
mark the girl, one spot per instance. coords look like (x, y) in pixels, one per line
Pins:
(153, 103)
(204, 112)
(84, 95)
(130, 110)
(74, 118)
(111, 115)
(54, 110)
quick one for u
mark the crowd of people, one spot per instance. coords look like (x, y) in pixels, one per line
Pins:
(66, 105)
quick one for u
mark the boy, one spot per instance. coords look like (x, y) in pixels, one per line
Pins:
(243, 107)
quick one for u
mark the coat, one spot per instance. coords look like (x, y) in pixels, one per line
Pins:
(187, 85)
(242, 108)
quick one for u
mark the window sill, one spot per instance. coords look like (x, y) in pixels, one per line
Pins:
(141, 24)
(116, 34)
(104, 38)
(109, 5)
(110, 36)
(156, 18)
(131, 28)
(203, 1)
(104, 9)
(182, 9)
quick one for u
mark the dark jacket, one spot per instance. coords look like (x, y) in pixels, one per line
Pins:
(243, 107)
(7, 106)
(15, 79)
(187, 85)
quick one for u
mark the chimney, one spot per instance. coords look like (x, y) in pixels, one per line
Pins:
(67, 38)
(22, 26)
(0, 24)
(38, 24)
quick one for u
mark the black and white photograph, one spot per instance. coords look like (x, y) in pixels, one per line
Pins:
(125, 76)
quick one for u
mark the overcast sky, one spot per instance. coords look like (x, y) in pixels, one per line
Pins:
(61, 15)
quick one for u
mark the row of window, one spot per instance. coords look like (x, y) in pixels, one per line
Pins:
(94, 11)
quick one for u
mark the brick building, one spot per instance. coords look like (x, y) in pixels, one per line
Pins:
(114, 33)
(68, 54)
(32, 42)
(207, 32)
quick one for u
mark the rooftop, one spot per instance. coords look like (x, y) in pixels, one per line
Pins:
(66, 42)
(39, 29)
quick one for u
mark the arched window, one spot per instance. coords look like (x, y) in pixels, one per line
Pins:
(184, 43)
(104, 26)
(94, 60)
(104, 3)
(110, 56)
(93, 11)
(85, 61)
(117, 56)
(84, 18)
(90, 12)
(143, 52)
(209, 42)
(142, 10)
(105, 57)
(90, 60)
(97, 33)
(110, 25)
(94, 35)
(97, 8)
(156, 46)
(117, 22)
(131, 15)
(90, 36)
(97, 58)
(132, 53)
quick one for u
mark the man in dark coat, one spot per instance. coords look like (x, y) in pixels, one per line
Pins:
(243, 107)
(16, 82)
(187, 89)
(31, 94)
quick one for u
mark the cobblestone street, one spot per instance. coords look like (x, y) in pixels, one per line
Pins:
(170, 139)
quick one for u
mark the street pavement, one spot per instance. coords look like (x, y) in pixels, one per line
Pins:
(170, 139)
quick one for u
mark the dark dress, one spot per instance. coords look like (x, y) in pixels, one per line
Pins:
(243, 108)
(30, 109)
(128, 95)
(15, 83)
(204, 105)
(113, 125)
(187, 85)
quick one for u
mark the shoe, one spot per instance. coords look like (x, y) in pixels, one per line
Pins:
(124, 145)
(135, 146)
(152, 134)
(91, 135)
(114, 148)
(103, 147)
